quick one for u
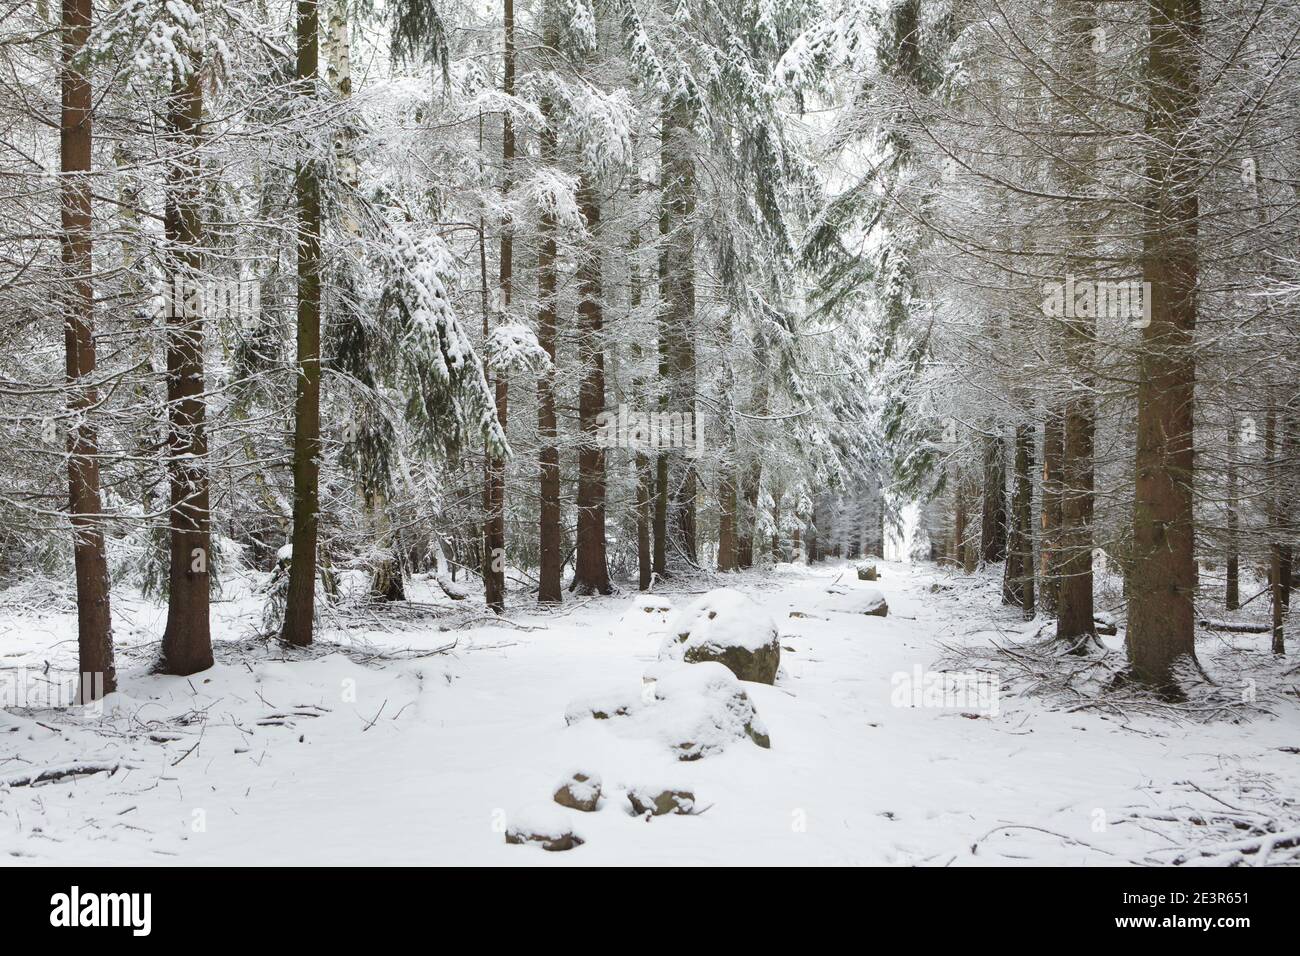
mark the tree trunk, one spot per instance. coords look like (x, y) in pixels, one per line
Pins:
(187, 640)
(591, 571)
(94, 621)
(494, 522)
(660, 485)
(751, 478)
(494, 492)
(1050, 517)
(1232, 590)
(878, 529)
(1272, 515)
(750, 485)
(727, 517)
(776, 527)
(813, 535)
(642, 463)
(962, 552)
(1162, 581)
(1290, 425)
(551, 560)
(1074, 623)
(386, 582)
(300, 604)
(677, 277)
(663, 466)
(1018, 583)
(993, 517)
(644, 520)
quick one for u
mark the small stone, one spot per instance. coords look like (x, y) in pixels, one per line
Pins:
(564, 841)
(544, 825)
(658, 802)
(603, 707)
(579, 792)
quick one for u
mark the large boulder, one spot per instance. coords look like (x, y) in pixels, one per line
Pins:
(702, 708)
(727, 627)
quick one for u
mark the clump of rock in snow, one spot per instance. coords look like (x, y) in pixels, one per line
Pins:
(727, 627)
(543, 825)
(602, 707)
(579, 791)
(1107, 623)
(867, 601)
(658, 800)
(702, 708)
(647, 614)
(693, 709)
(868, 572)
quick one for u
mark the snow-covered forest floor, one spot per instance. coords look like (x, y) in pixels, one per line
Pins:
(418, 739)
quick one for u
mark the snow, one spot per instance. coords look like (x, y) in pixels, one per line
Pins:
(376, 748)
(513, 347)
(599, 707)
(646, 614)
(543, 820)
(707, 678)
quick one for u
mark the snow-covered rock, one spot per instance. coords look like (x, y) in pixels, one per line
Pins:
(673, 681)
(579, 791)
(867, 601)
(658, 800)
(647, 614)
(544, 825)
(868, 572)
(727, 627)
(693, 710)
(701, 709)
(601, 707)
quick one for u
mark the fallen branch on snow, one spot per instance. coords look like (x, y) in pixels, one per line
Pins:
(59, 773)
